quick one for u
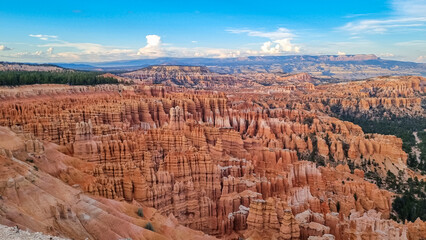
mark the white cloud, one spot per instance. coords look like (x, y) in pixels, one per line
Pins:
(382, 26)
(386, 55)
(356, 15)
(68, 56)
(28, 55)
(38, 53)
(421, 59)
(49, 50)
(280, 33)
(409, 7)
(87, 48)
(205, 52)
(44, 37)
(60, 50)
(153, 40)
(153, 47)
(341, 53)
(407, 15)
(279, 46)
(4, 48)
(156, 48)
(280, 41)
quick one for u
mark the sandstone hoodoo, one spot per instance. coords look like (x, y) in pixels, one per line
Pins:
(149, 161)
(188, 76)
(203, 78)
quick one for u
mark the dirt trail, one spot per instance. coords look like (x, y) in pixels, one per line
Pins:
(415, 150)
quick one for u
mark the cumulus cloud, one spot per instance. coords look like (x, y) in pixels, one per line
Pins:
(4, 48)
(49, 50)
(341, 53)
(60, 50)
(153, 41)
(279, 41)
(156, 48)
(38, 53)
(28, 55)
(421, 59)
(153, 47)
(44, 37)
(279, 46)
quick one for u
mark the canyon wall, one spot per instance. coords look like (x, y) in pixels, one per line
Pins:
(236, 164)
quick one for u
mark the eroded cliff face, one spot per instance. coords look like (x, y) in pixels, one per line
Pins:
(202, 78)
(399, 96)
(187, 76)
(229, 164)
(33, 199)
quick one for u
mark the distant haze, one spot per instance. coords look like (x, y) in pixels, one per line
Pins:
(337, 66)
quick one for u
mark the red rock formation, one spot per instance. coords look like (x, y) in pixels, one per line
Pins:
(36, 201)
(271, 219)
(229, 165)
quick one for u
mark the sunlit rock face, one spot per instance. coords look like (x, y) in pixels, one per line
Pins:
(256, 163)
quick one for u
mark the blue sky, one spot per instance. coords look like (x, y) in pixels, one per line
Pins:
(84, 31)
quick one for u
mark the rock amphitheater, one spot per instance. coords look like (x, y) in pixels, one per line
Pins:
(82, 162)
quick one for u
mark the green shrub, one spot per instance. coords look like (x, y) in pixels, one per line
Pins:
(149, 226)
(140, 212)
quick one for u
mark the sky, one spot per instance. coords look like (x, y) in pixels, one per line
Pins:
(96, 31)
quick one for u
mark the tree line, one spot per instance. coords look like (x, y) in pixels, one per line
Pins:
(412, 203)
(402, 127)
(16, 78)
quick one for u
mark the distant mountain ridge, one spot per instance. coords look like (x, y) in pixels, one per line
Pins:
(332, 67)
(325, 66)
(177, 68)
